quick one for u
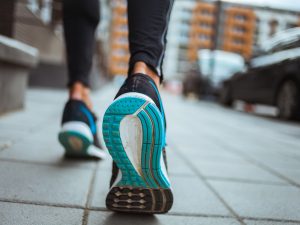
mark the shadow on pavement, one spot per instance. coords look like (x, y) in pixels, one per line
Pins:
(129, 219)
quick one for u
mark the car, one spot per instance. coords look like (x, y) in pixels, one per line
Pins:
(217, 65)
(194, 84)
(270, 79)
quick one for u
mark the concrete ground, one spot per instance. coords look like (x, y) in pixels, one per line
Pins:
(226, 167)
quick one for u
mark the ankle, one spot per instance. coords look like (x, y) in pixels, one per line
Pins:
(80, 92)
(76, 91)
(141, 67)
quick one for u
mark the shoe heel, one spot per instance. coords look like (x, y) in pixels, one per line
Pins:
(76, 138)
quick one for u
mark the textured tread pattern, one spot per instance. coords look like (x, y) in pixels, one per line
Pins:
(150, 181)
(139, 200)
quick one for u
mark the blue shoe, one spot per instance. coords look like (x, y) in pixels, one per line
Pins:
(78, 134)
(134, 133)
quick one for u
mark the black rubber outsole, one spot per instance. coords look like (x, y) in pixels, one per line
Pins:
(139, 200)
(81, 157)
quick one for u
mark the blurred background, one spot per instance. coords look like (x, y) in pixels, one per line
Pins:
(236, 52)
(232, 100)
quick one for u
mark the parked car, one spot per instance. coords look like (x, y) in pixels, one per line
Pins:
(216, 66)
(195, 84)
(213, 67)
(270, 79)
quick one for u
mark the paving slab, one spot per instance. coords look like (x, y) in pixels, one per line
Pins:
(16, 214)
(100, 189)
(46, 184)
(257, 222)
(243, 171)
(35, 172)
(277, 161)
(261, 200)
(292, 174)
(108, 218)
(7, 133)
(203, 150)
(206, 154)
(176, 166)
(29, 118)
(106, 164)
(47, 151)
(190, 196)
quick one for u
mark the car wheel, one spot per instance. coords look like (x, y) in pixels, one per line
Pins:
(225, 96)
(288, 101)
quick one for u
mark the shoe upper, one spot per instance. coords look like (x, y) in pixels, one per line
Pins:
(76, 110)
(143, 84)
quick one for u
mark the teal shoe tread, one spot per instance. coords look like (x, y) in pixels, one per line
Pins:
(153, 135)
(74, 143)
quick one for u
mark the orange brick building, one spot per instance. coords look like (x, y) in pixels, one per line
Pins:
(202, 29)
(238, 25)
(119, 52)
(239, 31)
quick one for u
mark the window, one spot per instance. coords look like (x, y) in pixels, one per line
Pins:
(205, 12)
(241, 18)
(204, 25)
(237, 41)
(273, 27)
(239, 30)
(204, 37)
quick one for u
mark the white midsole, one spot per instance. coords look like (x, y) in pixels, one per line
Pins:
(78, 127)
(131, 134)
(163, 166)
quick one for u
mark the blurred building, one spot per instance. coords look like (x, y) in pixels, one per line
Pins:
(33, 25)
(269, 21)
(202, 29)
(235, 30)
(239, 30)
(119, 52)
(194, 25)
(176, 59)
(39, 23)
(240, 27)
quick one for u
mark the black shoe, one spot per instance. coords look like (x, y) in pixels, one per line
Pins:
(134, 133)
(78, 134)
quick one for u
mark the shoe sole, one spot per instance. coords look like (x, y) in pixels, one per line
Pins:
(78, 142)
(146, 190)
(75, 144)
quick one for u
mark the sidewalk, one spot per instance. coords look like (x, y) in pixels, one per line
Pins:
(226, 167)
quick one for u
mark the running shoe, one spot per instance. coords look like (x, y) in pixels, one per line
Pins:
(78, 134)
(134, 133)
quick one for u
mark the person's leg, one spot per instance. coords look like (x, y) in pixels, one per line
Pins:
(134, 124)
(80, 19)
(78, 134)
(148, 23)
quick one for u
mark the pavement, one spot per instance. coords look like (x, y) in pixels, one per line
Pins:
(226, 167)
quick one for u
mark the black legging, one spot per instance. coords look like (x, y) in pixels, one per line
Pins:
(148, 22)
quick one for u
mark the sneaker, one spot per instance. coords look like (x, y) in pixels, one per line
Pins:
(78, 134)
(134, 133)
